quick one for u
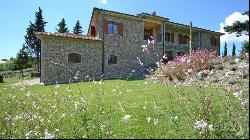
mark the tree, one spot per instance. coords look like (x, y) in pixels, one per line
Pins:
(233, 51)
(22, 59)
(31, 42)
(245, 48)
(62, 27)
(78, 28)
(225, 49)
(238, 27)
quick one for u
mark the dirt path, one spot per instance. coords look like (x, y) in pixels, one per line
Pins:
(27, 82)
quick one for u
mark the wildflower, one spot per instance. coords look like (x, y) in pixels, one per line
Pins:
(237, 60)
(28, 135)
(238, 94)
(190, 70)
(22, 88)
(76, 76)
(156, 121)
(133, 71)
(148, 119)
(126, 117)
(202, 125)
(42, 84)
(47, 135)
(175, 118)
(145, 83)
(210, 127)
(29, 94)
(57, 85)
(144, 107)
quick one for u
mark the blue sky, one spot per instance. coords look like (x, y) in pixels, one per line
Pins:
(16, 14)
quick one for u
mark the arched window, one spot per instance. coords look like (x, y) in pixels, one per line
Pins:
(74, 58)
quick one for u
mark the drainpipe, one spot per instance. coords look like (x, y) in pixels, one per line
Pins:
(103, 51)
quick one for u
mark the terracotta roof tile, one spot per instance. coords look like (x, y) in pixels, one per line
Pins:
(69, 35)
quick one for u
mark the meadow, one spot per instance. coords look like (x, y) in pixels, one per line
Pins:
(121, 108)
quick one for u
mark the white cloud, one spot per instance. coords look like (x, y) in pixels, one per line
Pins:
(236, 16)
(103, 1)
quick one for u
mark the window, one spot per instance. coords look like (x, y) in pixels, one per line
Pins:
(148, 33)
(112, 28)
(214, 41)
(112, 59)
(93, 32)
(169, 37)
(183, 39)
(74, 58)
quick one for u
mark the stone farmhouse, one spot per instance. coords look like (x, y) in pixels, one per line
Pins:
(112, 47)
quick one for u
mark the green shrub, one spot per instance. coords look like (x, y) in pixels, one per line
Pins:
(232, 62)
(219, 66)
(233, 68)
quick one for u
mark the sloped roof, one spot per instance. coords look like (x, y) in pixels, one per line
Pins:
(68, 35)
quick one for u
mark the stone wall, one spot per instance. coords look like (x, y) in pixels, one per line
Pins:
(54, 60)
(127, 48)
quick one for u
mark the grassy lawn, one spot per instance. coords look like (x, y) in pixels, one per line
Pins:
(119, 109)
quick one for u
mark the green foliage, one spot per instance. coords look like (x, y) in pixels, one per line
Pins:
(245, 47)
(238, 27)
(233, 50)
(62, 27)
(22, 59)
(225, 49)
(31, 42)
(233, 68)
(78, 28)
(219, 66)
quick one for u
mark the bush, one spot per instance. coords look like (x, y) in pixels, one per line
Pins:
(198, 60)
(233, 68)
(219, 66)
(232, 62)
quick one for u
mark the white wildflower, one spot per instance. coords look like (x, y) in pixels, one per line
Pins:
(57, 85)
(189, 61)
(175, 118)
(238, 94)
(210, 127)
(145, 83)
(148, 119)
(156, 121)
(190, 70)
(29, 94)
(202, 125)
(28, 135)
(47, 135)
(42, 84)
(76, 76)
(133, 71)
(126, 117)
(237, 60)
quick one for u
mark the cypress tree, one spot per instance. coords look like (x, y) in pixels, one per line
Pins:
(30, 39)
(233, 51)
(225, 49)
(78, 28)
(62, 27)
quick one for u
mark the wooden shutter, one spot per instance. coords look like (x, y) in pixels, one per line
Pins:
(105, 26)
(120, 28)
(172, 37)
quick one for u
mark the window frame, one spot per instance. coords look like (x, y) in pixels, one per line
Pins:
(183, 36)
(112, 29)
(169, 37)
(74, 62)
